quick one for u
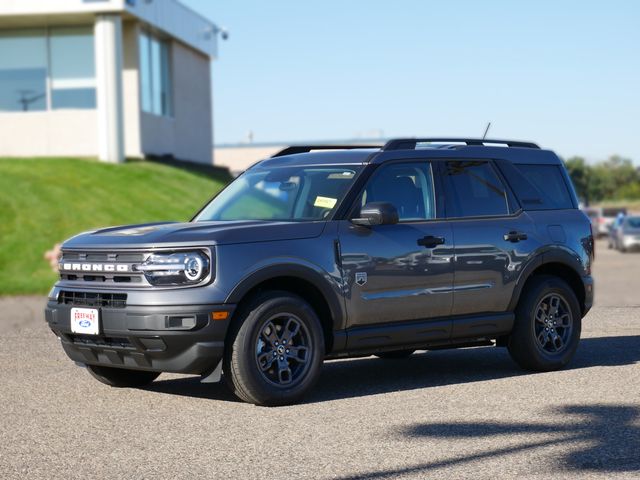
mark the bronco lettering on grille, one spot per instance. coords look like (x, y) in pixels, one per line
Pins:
(95, 267)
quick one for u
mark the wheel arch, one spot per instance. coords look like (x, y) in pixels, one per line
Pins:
(309, 284)
(559, 263)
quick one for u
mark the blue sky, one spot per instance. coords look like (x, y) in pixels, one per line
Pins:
(563, 73)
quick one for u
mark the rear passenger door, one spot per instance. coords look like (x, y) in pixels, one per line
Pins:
(493, 238)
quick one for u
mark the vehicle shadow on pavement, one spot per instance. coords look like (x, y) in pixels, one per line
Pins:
(597, 438)
(341, 379)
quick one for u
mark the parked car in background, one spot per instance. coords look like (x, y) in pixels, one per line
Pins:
(625, 234)
(603, 219)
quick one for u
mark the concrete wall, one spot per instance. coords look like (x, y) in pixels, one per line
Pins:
(131, 90)
(49, 134)
(180, 22)
(170, 16)
(188, 135)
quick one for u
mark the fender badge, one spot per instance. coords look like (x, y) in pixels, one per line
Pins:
(361, 278)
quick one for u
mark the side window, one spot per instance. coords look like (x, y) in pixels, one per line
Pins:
(407, 186)
(552, 189)
(473, 189)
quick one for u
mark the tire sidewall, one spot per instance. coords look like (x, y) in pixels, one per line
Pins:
(244, 348)
(525, 329)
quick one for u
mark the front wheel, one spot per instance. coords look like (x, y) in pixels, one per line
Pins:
(275, 350)
(120, 377)
(547, 325)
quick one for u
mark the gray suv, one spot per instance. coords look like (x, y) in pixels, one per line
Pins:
(331, 252)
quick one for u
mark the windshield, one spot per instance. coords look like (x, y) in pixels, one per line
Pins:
(281, 193)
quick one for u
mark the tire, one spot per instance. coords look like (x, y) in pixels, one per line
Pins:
(395, 354)
(258, 367)
(526, 341)
(120, 377)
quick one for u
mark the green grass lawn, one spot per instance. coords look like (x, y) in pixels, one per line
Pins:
(45, 201)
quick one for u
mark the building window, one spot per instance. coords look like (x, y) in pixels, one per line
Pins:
(23, 71)
(73, 73)
(42, 69)
(155, 77)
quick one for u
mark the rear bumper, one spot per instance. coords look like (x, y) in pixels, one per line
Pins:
(179, 339)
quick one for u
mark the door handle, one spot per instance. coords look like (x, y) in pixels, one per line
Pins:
(430, 241)
(514, 236)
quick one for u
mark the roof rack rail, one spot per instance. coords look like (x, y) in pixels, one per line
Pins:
(307, 148)
(410, 143)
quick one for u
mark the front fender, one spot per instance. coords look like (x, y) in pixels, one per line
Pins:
(329, 285)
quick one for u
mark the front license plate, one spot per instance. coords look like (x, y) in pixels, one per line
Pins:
(85, 321)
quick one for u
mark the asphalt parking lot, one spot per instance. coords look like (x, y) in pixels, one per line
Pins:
(461, 414)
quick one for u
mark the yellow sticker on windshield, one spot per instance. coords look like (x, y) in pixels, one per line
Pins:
(325, 202)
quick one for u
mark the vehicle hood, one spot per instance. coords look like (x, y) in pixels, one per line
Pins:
(188, 234)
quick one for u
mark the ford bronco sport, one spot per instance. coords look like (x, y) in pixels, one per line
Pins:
(420, 244)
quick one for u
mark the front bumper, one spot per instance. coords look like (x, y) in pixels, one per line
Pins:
(179, 339)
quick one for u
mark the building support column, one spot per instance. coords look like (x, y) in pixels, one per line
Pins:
(108, 52)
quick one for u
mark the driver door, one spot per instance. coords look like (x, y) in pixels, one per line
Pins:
(402, 272)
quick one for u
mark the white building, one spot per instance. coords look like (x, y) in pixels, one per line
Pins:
(105, 78)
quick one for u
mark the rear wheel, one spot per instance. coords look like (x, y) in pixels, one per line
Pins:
(547, 327)
(120, 377)
(275, 350)
(395, 354)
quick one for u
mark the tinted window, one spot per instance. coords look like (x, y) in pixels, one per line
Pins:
(23, 71)
(613, 212)
(473, 189)
(66, 55)
(408, 187)
(155, 75)
(551, 189)
(73, 77)
(633, 222)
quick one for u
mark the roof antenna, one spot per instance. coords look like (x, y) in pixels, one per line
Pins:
(486, 130)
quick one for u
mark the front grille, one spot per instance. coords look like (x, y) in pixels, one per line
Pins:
(108, 279)
(124, 257)
(90, 299)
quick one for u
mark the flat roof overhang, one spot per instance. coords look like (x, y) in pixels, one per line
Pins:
(168, 16)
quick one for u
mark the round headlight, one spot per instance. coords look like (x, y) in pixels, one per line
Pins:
(193, 267)
(175, 268)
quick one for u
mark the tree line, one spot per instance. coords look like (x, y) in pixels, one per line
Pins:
(613, 179)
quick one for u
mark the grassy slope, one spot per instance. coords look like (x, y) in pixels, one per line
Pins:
(44, 201)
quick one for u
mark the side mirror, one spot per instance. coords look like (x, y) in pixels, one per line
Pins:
(377, 213)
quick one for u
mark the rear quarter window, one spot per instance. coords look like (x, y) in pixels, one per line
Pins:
(540, 187)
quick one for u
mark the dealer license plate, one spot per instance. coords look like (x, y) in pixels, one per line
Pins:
(85, 321)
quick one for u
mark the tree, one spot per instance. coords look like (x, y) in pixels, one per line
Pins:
(580, 174)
